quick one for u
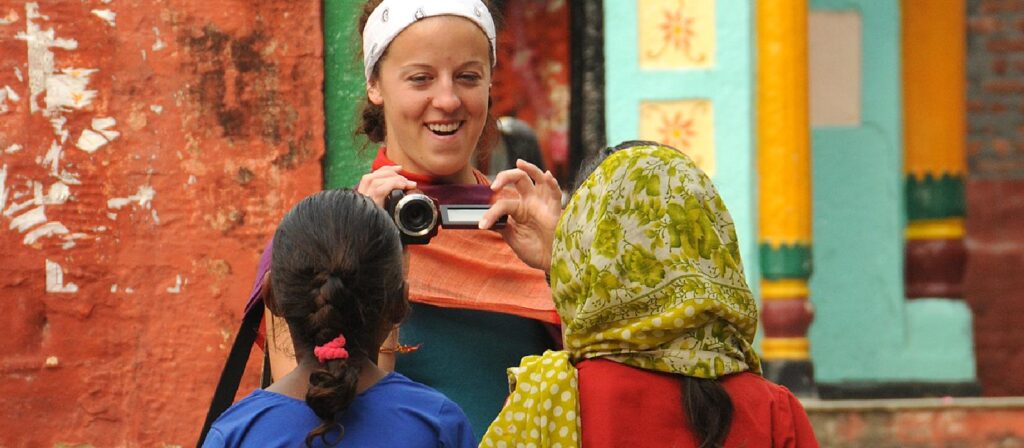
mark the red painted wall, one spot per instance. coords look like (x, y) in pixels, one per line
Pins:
(147, 151)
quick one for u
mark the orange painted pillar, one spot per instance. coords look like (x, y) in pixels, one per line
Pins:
(934, 89)
(785, 193)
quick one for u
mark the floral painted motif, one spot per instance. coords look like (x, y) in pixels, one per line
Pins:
(676, 33)
(686, 125)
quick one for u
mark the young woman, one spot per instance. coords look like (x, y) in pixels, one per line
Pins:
(657, 316)
(337, 280)
(476, 307)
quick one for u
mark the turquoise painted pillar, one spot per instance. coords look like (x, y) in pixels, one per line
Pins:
(681, 73)
(867, 340)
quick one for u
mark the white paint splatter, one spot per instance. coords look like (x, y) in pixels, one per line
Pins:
(3, 186)
(112, 216)
(129, 290)
(52, 157)
(17, 74)
(176, 289)
(55, 279)
(40, 58)
(49, 229)
(90, 141)
(13, 149)
(156, 218)
(157, 109)
(191, 179)
(51, 362)
(69, 90)
(113, 288)
(58, 123)
(144, 196)
(29, 219)
(159, 44)
(7, 93)
(59, 193)
(107, 15)
(12, 16)
(69, 240)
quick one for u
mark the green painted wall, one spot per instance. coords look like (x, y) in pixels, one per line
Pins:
(344, 90)
(864, 330)
(729, 85)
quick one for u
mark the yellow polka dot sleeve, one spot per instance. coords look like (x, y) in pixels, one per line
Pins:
(543, 407)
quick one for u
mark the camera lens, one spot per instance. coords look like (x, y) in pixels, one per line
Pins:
(417, 215)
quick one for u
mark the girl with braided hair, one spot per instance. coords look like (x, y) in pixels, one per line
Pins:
(337, 279)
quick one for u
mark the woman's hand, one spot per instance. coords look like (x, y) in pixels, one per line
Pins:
(532, 216)
(378, 184)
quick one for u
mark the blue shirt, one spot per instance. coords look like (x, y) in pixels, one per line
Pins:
(394, 412)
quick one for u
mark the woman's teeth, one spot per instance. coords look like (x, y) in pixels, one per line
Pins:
(444, 129)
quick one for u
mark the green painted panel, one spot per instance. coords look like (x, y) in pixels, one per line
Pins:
(728, 84)
(344, 90)
(935, 198)
(786, 261)
(864, 330)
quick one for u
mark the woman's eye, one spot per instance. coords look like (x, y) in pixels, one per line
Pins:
(470, 77)
(419, 79)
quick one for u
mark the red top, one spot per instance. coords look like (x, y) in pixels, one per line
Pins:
(626, 406)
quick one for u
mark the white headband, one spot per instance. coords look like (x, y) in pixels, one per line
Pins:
(392, 16)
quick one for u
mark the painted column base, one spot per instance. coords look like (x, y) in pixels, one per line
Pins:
(797, 375)
(934, 268)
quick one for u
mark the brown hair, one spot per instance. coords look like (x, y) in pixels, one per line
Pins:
(337, 270)
(371, 116)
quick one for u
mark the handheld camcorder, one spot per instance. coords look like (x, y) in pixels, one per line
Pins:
(419, 216)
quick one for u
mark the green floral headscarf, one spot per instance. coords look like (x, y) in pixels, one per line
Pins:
(645, 271)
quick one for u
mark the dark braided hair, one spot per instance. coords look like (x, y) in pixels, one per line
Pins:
(371, 116)
(706, 404)
(337, 270)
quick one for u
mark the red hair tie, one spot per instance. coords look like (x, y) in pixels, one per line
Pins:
(331, 350)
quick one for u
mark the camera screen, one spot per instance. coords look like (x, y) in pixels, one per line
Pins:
(466, 215)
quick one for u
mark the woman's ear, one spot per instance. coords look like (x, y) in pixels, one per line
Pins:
(373, 92)
(267, 295)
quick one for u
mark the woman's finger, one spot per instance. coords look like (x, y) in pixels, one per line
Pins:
(500, 208)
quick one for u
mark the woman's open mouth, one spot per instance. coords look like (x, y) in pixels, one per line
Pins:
(445, 129)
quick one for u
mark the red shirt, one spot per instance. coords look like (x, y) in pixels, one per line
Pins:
(626, 406)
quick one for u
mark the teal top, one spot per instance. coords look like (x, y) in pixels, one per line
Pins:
(465, 354)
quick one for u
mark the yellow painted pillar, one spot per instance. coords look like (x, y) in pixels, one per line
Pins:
(934, 113)
(784, 172)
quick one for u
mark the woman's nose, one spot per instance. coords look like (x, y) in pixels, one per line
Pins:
(446, 98)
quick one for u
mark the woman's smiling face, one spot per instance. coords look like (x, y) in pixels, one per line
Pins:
(434, 84)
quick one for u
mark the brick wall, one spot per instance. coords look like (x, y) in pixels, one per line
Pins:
(994, 283)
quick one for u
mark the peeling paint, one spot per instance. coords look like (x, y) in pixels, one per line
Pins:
(58, 193)
(55, 279)
(40, 58)
(158, 44)
(7, 93)
(113, 288)
(52, 361)
(69, 240)
(11, 17)
(17, 74)
(52, 157)
(11, 150)
(29, 219)
(49, 229)
(157, 109)
(3, 186)
(144, 196)
(107, 15)
(176, 289)
(156, 218)
(69, 90)
(90, 141)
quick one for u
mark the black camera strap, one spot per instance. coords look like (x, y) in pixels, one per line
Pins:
(231, 376)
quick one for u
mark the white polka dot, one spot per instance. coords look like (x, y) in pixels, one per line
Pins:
(626, 333)
(566, 396)
(520, 416)
(562, 375)
(546, 361)
(558, 411)
(531, 444)
(551, 426)
(547, 404)
(599, 337)
(490, 442)
(508, 416)
(498, 430)
(550, 374)
(543, 421)
(521, 445)
(502, 444)
(556, 445)
(656, 321)
(571, 415)
(563, 431)
(679, 323)
(574, 437)
(572, 383)
(690, 311)
(534, 434)
(554, 388)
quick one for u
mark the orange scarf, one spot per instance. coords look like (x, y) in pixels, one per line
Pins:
(473, 269)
